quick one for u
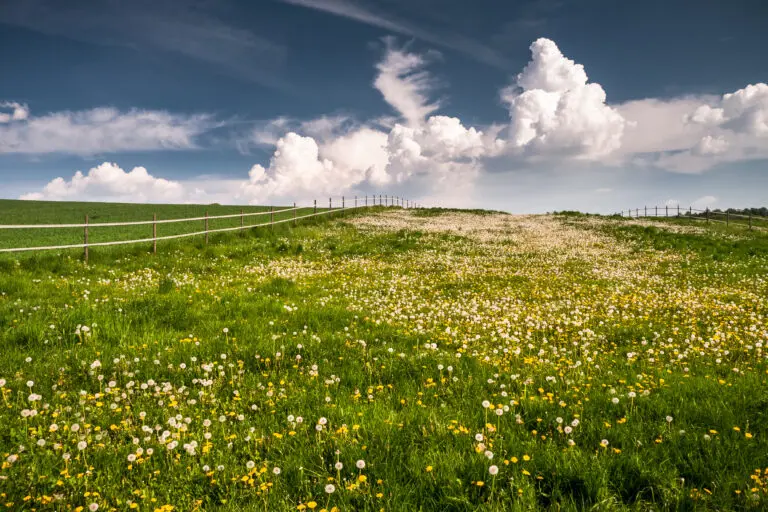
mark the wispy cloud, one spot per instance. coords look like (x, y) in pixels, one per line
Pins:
(447, 37)
(181, 28)
(101, 130)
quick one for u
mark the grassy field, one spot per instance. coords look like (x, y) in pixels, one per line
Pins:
(400, 360)
(51, 212)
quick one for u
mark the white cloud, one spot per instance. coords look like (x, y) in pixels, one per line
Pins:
(554, 110)
(704, 202)
(709, 145)
(295, 170)
(694, 134)
(744, 111)
(603, 190)
(108, 182)
(655, 125)
(99, 130)
(404, 84)
(18, 112)
(333, 155)
(362, 154)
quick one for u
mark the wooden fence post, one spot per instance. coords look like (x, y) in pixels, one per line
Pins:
(330, 207)
(750, 220)
(678, 209)
(355, 201)
(272, 217)
(707, 214)
(645, 211)
(85, 237)
(366, 200)
(206, 227)
(294, 214)
(241, 220)
(666, 210)
(314, 211)
(342, 206)
(727, 218)
(154, 233)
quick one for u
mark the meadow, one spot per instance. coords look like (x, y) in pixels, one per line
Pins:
(392, 360)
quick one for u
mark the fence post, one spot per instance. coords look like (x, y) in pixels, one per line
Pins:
(727, 218)
(678, 209)
(750, 220)
(342, 206)
(355, 201)
(666, 210)
(330, 207)
(206, 227)
(314, 211)
(637, 213)
(85, 237)
(645, 211)
(366, 200)
(379, 199)
(272, 217)
(707, 213)
(154, 233)
(241, 220)
(294, 214)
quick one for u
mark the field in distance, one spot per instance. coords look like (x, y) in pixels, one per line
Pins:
(392, 360)
(54, 212)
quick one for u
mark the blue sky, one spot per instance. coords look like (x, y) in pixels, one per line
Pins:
(523, 106)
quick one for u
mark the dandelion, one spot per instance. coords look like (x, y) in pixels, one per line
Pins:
(93, 507)
(493, 470)
(360, 464)
(82, 445)
(604, 443)
(669, 419)
(276, 470)
(486, 404)
(339, 466)
(614, 400)
(330, 488)
(250, 464)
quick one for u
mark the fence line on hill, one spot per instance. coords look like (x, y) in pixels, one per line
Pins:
(362, 202)
(691, 213)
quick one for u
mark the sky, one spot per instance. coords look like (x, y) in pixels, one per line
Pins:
(522, 106)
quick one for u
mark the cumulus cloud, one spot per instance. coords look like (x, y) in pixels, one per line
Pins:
(108, 182)
(709, 145)
(295, 169)
(405, 84)
(744, 111)
(18, 112)
(553, 108)
(333, 154)
(98, 130)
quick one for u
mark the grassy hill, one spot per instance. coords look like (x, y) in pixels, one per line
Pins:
(52, 212)
(399, 360)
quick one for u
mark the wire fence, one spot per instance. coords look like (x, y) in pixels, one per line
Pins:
(284, 212)
(725, 217)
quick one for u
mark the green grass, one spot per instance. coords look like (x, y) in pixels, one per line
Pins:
(334, 322)
(51, 212)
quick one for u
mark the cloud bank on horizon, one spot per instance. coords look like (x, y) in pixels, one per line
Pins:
(556, 116)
